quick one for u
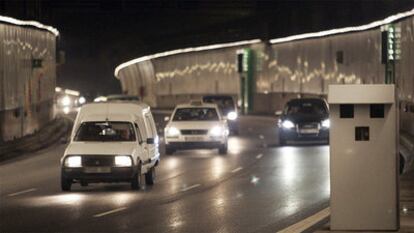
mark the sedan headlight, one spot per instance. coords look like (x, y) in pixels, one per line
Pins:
(123, 161)
(66, 101)
(172, 132)
(232, 116)
(216, 131)
(73, 161)
(288, 124)
(326, 123)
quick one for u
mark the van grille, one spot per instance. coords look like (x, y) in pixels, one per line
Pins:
(97, 160)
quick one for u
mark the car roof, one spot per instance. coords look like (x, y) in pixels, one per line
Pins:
(109, 109)
(218, 96)
(117, 96)
(202, 105)
(301, 100)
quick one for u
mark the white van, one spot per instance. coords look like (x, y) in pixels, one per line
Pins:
(111, 142)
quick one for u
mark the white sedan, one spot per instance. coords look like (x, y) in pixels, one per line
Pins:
(196, 126)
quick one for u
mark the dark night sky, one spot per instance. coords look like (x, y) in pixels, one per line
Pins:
(97, 35)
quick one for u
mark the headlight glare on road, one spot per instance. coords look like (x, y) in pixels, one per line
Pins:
(66, 110)
(172, 132)
(326, 123)
(73, 161)
(123, 161)
(288, 124)
(216, 131)
(232, 116)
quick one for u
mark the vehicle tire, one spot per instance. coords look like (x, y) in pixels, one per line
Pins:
(150, 176)
(223, 149)
(169, 150)
(65, 184)
(84, 183)
(136, 182)
(402, 164)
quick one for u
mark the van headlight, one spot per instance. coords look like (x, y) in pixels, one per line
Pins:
(172, 132)
(73, 161)
(326, 123)
(232, 116)
(287, 124)
(123, 161)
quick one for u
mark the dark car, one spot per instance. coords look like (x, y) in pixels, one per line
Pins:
(228, 108)
(126, 98)
(304, 120)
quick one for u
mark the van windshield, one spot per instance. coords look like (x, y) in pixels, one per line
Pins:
(105, 131)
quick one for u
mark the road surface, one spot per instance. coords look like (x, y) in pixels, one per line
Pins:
(257, 187)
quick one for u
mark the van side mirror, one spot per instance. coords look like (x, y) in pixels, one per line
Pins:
(278, 113)
(167, 118)
(150, 141)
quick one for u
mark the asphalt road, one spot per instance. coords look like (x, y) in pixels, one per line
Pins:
(257, 187)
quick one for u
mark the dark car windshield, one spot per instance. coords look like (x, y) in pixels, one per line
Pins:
(225, 103)
(315, 107)
(122, 98)
(196, 114)
(105, 131)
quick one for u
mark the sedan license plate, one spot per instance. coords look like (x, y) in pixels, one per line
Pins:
(97, 170)
(309, 131)
(194, 139)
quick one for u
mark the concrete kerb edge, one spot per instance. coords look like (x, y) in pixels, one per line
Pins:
(40, 140)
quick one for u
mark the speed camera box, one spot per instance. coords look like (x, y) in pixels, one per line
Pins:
(363, 157)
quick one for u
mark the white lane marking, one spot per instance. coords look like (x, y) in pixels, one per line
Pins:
(259, 156)
(236, 170)
(22, 192)
(190, 187)
(109, 212)
(261, 136)
(307, 222)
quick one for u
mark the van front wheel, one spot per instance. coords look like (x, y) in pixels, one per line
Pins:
(150, 176)
(136, 181)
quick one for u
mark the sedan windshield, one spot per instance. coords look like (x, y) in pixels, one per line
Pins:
(196, 114)
(105, 131)
(306, 107)
(225, 103)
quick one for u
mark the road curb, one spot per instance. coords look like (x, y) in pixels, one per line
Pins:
(45, 137)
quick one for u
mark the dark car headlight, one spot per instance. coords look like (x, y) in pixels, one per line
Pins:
(287, 124)
(326, 123)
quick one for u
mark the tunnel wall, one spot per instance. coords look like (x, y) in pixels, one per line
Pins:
(26, 92)
(283, 70)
